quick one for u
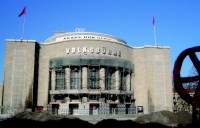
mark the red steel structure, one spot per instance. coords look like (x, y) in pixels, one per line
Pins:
(179, 81)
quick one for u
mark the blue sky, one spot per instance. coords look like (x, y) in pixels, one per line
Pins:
(177, 22)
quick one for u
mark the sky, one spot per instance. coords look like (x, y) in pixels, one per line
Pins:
(177, 22)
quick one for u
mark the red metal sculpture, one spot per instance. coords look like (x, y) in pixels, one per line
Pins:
(179, 81)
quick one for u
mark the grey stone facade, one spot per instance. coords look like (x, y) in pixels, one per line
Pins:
(19, 73)
(32, 76)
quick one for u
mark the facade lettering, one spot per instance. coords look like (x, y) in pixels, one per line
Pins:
(109, 52)
(67, 50)
(104, 50)
(73, 50)
(97, 50)
(79, 51)
(119, 53)
(84, 49)
(92, 50)
(115, 53)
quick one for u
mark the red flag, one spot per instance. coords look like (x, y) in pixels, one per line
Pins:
(23, 12)
(153, 21)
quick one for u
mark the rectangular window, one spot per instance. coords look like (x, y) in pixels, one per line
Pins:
(93, 78)
(123, 81)
(75, 79)
(109, 79)
(60, 80)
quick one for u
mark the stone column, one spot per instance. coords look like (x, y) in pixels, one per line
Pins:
(117, 80)
(102, 78)
(128, 82)
(67, 78)
(53, 80)
(84, 78)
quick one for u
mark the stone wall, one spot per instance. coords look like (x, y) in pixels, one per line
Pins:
(19, 73)
(152, 78)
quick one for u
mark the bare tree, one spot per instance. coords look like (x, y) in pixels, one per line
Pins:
(191, 87)
(180, 104)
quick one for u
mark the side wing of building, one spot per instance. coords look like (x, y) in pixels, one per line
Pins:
(152, 78)
(18, 74)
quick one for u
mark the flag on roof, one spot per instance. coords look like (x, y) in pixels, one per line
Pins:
(23, 11)
(153, 21)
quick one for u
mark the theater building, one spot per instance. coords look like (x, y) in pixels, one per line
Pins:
(83, 73)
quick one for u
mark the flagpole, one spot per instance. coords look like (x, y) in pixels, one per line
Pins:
(23, 12)
(154, 29)
(23, 26)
